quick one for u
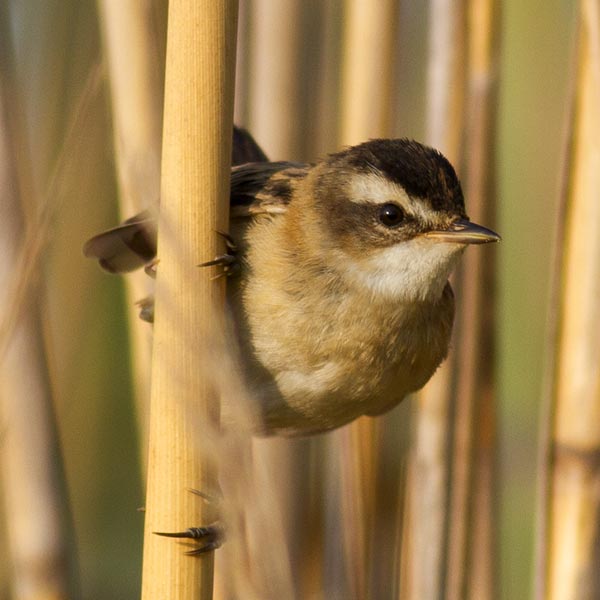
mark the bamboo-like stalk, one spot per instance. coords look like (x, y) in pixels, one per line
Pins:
(427, 508)
(367, 69)
(274, 64)
(195, 183)
(270, 104)
(325, 92)
(64, 110)
(242, 71)
(424, 545)
(574, 505)
(134, 67)
(446, 76)
(365, 105)
(356, 446)
(471, 536)
(31, 478)
(548, 408)
(19, 315)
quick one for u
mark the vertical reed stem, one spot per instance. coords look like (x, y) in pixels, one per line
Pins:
(471, 541)
(194, 206)
(573, 551)
(367, 68)
(274, 112)
(134, 67)
(427, 508)
(32, 489)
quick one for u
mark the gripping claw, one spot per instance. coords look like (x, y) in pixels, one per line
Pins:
(228, 261)
(210, 538)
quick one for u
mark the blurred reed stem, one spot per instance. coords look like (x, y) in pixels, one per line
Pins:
(367, 60)
(424, 558)
(32, 480)
(135, 67)
(446, 76)
(451, 511)
(367, 69)
(472, 537)
(573, 504)
(269, 103)
(200, 71)
(323, 95)
(548, 404)
(40, 496)
(274, 110)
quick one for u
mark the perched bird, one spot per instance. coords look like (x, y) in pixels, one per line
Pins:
(341, 302)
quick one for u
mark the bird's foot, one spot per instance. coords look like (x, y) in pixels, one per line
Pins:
(208, 538)
(151, 267)
(228, 261)
(146, 306)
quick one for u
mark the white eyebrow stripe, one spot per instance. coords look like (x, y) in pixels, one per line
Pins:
(375, 188)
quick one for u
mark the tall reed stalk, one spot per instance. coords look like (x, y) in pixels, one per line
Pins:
(573, 505)
(269, 104)
(32, 486)
(472, 538)
(195, 188)
(450, 537)
(367, 60)
(273, 105)
(367, 69)
(135, 68)
(425, 552)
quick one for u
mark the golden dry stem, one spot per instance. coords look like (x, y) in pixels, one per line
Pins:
(574, 502)
(194, 206)
(367, 68)
(31, 483)
(134, 66)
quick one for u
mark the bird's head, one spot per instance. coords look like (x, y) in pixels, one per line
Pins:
(393, 216)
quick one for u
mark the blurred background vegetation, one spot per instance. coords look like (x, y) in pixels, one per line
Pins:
(58, 71)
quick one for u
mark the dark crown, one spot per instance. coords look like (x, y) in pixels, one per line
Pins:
(422, 171)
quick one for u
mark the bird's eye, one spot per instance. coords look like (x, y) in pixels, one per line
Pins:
(391, 215)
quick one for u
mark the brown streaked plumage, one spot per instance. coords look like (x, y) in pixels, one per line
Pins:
(343, 305)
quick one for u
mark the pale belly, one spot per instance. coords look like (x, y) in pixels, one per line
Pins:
(314, 372)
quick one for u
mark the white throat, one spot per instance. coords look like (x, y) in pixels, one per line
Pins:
(413, 271)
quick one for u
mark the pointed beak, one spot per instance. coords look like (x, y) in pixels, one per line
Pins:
(464, 232)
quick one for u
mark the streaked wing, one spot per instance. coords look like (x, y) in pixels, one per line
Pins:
(256, 188)
(244, 148)
(127, 247)
(263, 188)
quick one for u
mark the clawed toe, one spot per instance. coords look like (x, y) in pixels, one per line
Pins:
(146, 306)
(229, 242)
(228, 261)
(225, 260)
(210, 538)
(151, 267)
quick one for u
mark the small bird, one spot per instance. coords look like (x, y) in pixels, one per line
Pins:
(341, 302)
